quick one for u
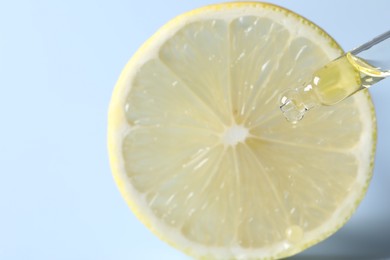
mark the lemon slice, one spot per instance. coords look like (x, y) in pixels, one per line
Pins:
(204, 157)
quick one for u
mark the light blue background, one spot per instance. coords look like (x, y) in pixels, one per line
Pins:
(59, 61)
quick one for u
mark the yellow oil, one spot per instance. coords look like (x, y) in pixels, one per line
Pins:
(343, 77)
(329, 85)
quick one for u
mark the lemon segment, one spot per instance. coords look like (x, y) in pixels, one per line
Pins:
(201, 152)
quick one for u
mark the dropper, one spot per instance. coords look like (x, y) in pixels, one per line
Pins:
(344, 76)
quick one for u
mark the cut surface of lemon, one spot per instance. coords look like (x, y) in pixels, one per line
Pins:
(202, 153)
